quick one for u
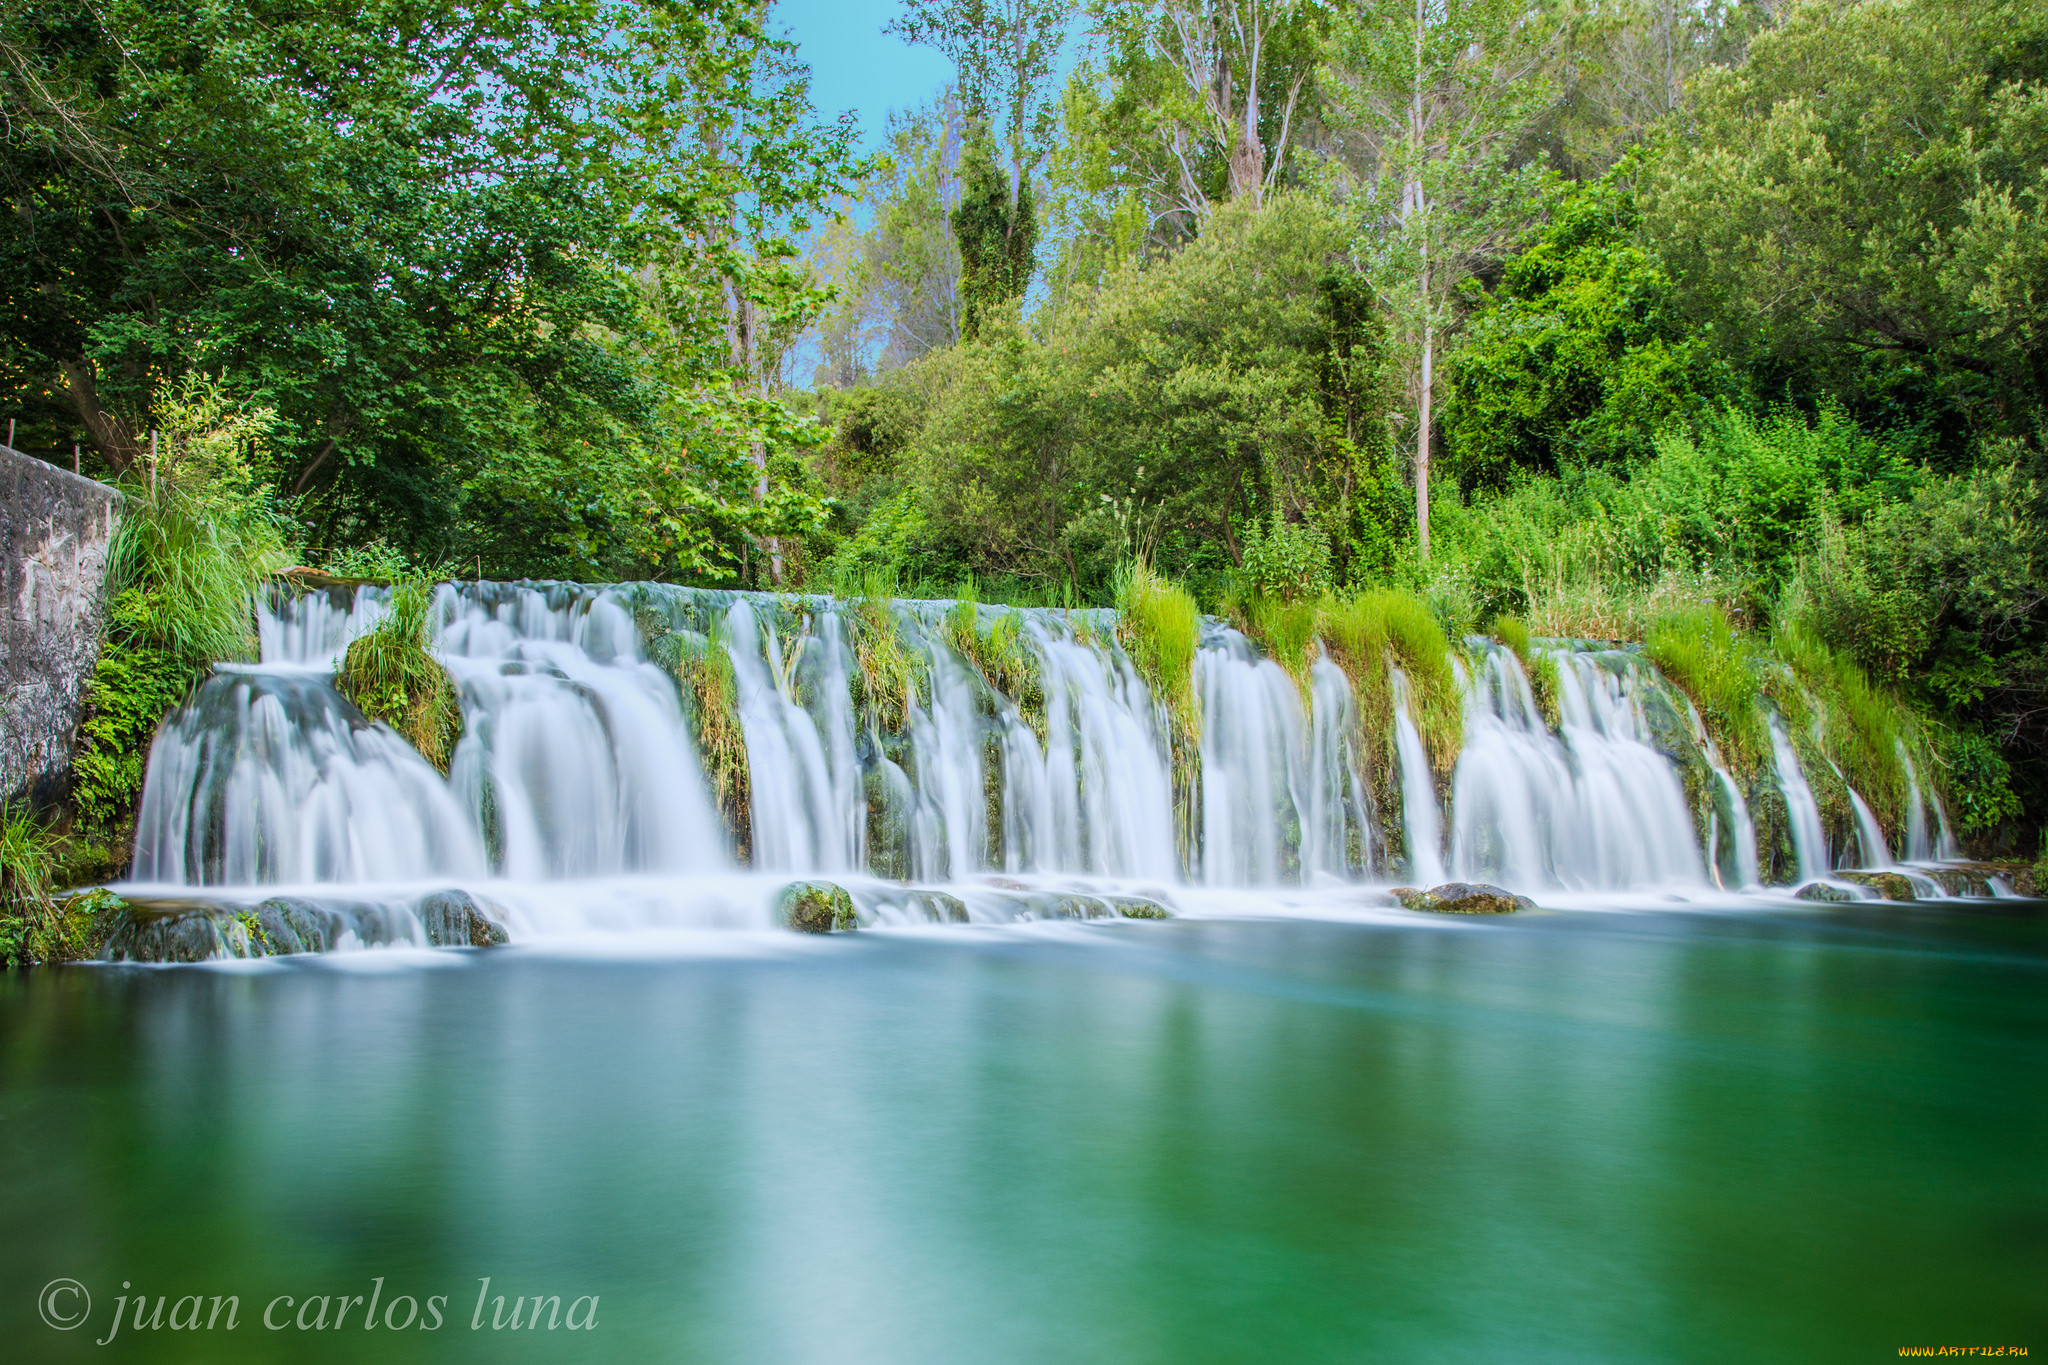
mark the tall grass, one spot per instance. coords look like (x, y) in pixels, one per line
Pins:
(1698, 650)
(709, 680)
(999, 654)
(1161, 628)
(1367, 632)
(1863, 729)
(35, 926)
(391, 675)
(890, 676)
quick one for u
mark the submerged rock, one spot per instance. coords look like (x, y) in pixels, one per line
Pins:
(1138, 907)
(1825, 891)
(937, 906)
(816, 908)
(1959, 881)
(1889, 885)
(456, 919)
(1463, 898)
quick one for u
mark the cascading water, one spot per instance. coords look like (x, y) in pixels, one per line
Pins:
(1809, 839)
(577, 799)
(1593, 807)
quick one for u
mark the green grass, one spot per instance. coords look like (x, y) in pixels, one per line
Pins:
(35, 924)
(1366, 632)
(1862, 727)
(999, 654)
(707, 676)
(391, 675)
(1160, 628)
(891, 677)
(1700, 653)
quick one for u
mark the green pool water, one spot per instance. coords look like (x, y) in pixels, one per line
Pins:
(1649, 1136)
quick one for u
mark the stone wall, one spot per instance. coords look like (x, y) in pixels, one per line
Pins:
(55, 528)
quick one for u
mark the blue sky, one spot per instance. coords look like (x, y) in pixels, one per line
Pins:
(854, 65)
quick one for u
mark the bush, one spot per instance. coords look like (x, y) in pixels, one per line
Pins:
(1290, 562)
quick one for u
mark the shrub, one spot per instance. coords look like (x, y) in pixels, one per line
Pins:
(1290, 561)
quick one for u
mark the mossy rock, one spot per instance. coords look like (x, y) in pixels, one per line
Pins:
(1137, 907)
(456, 919)
(1960, 881)
(1078, 907)
(1826, 892)
(1463, 898)
(1889, 885)
(816, 908)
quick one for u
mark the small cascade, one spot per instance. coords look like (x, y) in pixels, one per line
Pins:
(1594, 807)
(1809, 839)
(1421, 819)
(1253, 767)
(1919, 847)
(1870, 844)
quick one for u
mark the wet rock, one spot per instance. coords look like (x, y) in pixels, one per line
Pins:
(147, 930)
(816, 908)
(1825, 891)
(1959, 881)
(1889, 885)
(1078, 907)
(456, 919)
(1463, 898)
(937, 906)
(1138, 907)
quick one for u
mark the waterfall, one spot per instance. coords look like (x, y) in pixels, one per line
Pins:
(1422, 821)
(1809, 840)
(1870, 842)
(576, 798)
(1594, 807)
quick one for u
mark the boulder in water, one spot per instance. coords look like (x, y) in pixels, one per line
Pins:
(817, 908)
(1463, 898)
(1889, 885)
(1825, 891)
(456, 919)
(1138, 907)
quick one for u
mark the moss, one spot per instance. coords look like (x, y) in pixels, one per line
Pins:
(1891, 885)
(1367, 633)
(816, 908)
(1541, 668)
(703, 667)
(392, 677)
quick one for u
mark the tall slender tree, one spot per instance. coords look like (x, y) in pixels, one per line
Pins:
(1443, 94)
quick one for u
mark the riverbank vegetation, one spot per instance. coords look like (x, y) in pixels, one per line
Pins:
(1712, 330)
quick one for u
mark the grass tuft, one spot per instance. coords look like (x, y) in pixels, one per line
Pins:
(1696, 648)
(1000, 655)
(1160, 628)
(712, 688)
(891, 677)
(391, 675)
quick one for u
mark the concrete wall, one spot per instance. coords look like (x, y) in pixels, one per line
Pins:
(54, 531)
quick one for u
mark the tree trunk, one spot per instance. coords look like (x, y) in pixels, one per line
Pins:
(120, 446)
(1422, 440)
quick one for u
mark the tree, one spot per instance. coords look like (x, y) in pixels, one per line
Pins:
(1004, 52)
(1863, 207)
(1442, 94)
(1207, 93)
